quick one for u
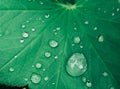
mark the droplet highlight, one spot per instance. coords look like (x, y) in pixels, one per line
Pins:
(77, 40)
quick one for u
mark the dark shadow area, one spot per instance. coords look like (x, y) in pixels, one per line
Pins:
(9, 87)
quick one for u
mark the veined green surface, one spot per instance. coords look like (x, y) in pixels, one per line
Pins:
(38, 38)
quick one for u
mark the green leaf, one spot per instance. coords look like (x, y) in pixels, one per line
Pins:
(60, 44)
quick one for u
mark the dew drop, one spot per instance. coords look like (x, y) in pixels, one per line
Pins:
(47, 16)
(35, 78)
(58, 28)
(95, 28)
(47, 54)
(112, 87)
(21, 41)
(11, 69)
(86, 22)
(38, 65)
(88, 84)
(55, 57)
(23, 26)
(77, 40)
(53, 43)
(76, 64)
(84, 79)
(105, 74)
(33, 29)
(113, 14)
(46, 78)
(100, 38)
(118, 9)
(25, 34)
(25, 79)
(41, 3)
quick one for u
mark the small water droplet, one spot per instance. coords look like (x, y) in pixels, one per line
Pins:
(35, 78)
(41, 3)
(47, 54)
(113, 14)
(25, 79)
(100, 38)
(76, 64)
(44, 69)
(81, 46)
(46, 78)
(118, 9)
(84, 79)
(105, 74)
(112, 87)
(88, 84)
(25, 34)
(11, 69)
(86, 22)
(95, 28)
(77, 40)
(53, 83)
(38, 65)
(33, 29)
(75, 28)
(56, 57)
(21, 41)
(23, 26)
(53, 43)
(47, 16)
(58, 28)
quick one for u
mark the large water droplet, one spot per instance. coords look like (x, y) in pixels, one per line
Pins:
(76, 64)
(53, 43)
(100, 38)
(77, 39)
(35, 78)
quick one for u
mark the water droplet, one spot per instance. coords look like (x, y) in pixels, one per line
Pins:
(23, 26)
(86, 22)
(47, 54)
(77, 40)
(46, 78)
(81, 46)
(25, 79)
(53, 43)
(21, 41)
(84, 79)
(38, 65)
(76, 64)
(35, 78)
(56, 57)
(33, 29)
(118, 9)
(75, 28)
(88, 84)
(105, 74)
(100, 38)
(113, 14)
(53, 83)
(25, 34)
(41, 3)
(95, 28)
(58, 28)
(47, 16)
(112, 87)
(44, 69)
(11, 69)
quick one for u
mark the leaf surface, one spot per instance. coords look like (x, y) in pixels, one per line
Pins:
(28, 27)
